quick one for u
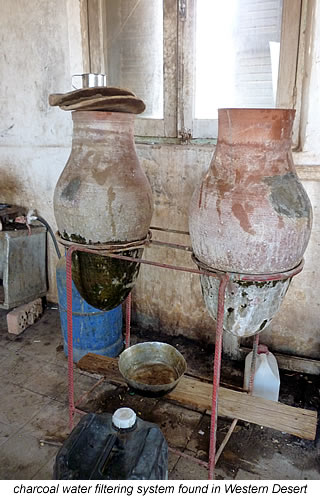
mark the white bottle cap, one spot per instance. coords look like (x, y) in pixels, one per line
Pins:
(124, 418)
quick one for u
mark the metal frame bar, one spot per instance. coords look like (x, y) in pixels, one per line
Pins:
(216, 375)
(252, 372)
(224, 278)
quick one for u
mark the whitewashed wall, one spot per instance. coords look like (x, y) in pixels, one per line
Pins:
(40, 48)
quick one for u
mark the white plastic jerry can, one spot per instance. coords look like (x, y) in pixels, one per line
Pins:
(266, 383)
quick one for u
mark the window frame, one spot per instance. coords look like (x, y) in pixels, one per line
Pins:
(293, 14)
(179, 66)
(94, 34)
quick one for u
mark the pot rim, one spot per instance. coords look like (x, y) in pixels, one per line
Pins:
(255, 109)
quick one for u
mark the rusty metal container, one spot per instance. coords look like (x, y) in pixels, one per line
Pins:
(250, 214)
(23, 275)
(102, 197)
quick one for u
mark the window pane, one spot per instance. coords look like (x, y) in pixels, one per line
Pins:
(135, 50)
(237, 54)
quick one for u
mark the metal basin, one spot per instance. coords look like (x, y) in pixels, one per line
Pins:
(152, 368)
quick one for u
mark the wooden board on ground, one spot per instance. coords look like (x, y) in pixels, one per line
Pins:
(238, 405)
(197, 394)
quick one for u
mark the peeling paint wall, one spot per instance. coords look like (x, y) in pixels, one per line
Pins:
(164, 300)
(40, 49)
(38, 41)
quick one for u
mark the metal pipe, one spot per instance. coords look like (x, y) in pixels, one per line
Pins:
(235, 421)
(69, 329)
(216, 374)
(273, 277)
(147, 262)
(53, 237)
(208, 272)
(128, 320)
(224, 278)
(172, 245)
(172, 231)
(253, 362)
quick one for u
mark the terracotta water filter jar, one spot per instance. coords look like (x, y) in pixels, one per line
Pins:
(250, 215)
(103, 197)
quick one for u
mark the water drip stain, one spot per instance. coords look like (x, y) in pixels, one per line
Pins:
(241, 214)
(71, 190)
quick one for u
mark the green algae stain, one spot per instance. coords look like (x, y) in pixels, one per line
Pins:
(70, 191)
(288, 196)
(102, 281)
(74, 238)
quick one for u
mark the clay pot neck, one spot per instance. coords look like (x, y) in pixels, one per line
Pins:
(100, 126)
(265, 127)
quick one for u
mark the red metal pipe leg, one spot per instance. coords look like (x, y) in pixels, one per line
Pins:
(128, 320)
(216, 375)
(70, 333)
(253, 361)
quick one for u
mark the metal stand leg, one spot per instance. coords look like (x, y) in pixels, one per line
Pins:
(253, 361)
(216, 375)
(70, 343)
(235, 421)
(128, 320)
(213, 457)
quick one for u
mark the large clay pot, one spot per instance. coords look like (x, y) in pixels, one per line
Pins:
(250, 213)
(103, 196)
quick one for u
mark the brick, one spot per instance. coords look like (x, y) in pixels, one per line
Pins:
(22, 317)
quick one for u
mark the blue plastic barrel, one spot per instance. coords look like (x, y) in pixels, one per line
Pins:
(94, 330)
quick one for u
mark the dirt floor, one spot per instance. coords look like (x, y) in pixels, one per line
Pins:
(34, 407)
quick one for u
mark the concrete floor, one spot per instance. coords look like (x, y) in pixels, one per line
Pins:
(34, 406)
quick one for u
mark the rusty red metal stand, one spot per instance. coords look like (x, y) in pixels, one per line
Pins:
(224, 278)
(128, 320)
(216, 375)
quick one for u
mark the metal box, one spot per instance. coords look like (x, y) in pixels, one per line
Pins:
(22, 266)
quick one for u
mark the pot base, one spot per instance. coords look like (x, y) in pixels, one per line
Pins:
(102, 281)
(249, 305)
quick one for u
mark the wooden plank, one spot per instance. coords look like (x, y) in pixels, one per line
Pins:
(97, 35)
(99, 364)
(238, 405)
(288, 79)
(288, 53)
(84, 21)
(307, 172)
(292, 363)
(197, 394)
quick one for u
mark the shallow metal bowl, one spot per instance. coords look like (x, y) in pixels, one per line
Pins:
(152, 368)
